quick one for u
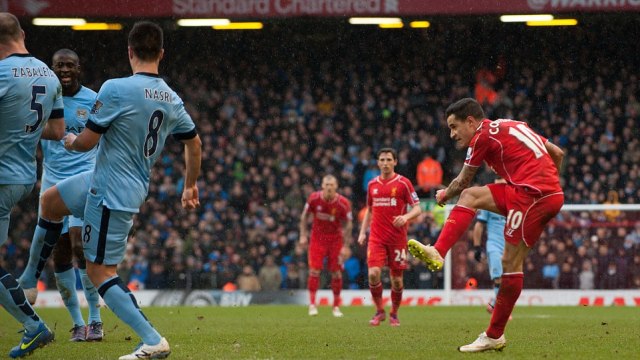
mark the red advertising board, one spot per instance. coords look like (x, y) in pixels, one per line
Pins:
(255, 9)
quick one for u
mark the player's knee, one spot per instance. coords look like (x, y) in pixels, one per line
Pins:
(48, 205)
(374, 275)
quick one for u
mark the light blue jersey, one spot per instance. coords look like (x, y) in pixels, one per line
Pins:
(30, 94)
(59, 163)
(135, 115)
(495, 230)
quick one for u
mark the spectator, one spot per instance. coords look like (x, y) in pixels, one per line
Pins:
(270, 276)
(247, 280)
(586, 277)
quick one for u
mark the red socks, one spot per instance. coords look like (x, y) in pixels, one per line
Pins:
(336, 287)
(396, 299)
(456, 224)
(376, 295)
(507, 296)
(313, 283)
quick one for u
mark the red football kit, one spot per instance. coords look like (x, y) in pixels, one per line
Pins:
(387, 199)
(532, 195)
(326, 229)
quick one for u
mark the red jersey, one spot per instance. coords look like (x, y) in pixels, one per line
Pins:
(328, 216)
(387, 199)
(516, 153)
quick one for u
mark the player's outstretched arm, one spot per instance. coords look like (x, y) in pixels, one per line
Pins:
(362, 237)
(85, 141)
(556, 154)
(478, 228)
(303, 226)
(193, 159)
(53, 129)
(461, 182)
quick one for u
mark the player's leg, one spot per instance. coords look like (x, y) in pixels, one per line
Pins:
(66, 282)
(376, 259)
(94, 327)
(335, 267)
(315, 256)
(461, 216)
(68, 197)
(494, 260)
(397, 261)
(397, 288)
(46, 235)
(105, 234)
(12, 297)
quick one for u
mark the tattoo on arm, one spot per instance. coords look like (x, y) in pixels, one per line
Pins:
(462, 181)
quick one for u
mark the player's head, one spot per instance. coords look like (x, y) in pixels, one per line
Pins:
(66, 65)
(329, 186)
(463, 117)
(387, 160)
(10, 29)
(146, 41)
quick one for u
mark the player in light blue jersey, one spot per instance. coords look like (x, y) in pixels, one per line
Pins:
(131, 119)
(494, 247)
(59, 164)
(30, 108)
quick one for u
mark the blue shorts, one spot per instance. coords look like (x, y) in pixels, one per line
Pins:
(9, 197)
(73, 192)
(105, 232)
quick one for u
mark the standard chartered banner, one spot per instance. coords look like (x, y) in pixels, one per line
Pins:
(363, 298)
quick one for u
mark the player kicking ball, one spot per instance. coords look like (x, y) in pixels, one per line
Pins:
(529, 199)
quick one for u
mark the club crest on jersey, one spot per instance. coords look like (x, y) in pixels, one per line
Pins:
(469, 153)
(81, 114)
(319, 208)
(394, 191)
(98, 104)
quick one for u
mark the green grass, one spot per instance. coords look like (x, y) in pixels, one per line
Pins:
(286, 332)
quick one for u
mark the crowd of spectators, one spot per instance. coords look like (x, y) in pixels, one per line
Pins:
(279, 109)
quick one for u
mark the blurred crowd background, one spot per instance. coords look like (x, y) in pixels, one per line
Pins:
(278, 109)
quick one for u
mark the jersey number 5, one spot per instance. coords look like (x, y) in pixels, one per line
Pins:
(151, 141)
(36, 106)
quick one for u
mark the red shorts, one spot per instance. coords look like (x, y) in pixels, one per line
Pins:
(318, 250)
(392, 255)
(527, 212)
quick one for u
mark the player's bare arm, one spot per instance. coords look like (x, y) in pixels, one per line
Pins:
(402, 220)
(53, 129)
(478, 228)
(346, 232)
(192, 158)
(461, 182)
(85, 141)
(366, 221)
(303, 226)
(556, 154)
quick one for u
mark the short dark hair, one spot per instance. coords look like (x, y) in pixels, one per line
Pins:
(66, 52)
(10, 29)
(465, 107)
(387, 150)
(145, 39)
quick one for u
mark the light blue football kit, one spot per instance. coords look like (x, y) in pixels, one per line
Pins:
(495, 243)
(135, 115)
(30, 94)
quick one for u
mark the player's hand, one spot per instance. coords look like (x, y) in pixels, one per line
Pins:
(68, 141)
(399, 221)
(303, 239)
(441, 197)
(361, 239)
(190, 198)
(477, 253)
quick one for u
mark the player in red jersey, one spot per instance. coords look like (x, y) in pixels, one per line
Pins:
(531, 197)
(332, 224)
(387, 198)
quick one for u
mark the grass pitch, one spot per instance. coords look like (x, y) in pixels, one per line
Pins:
(287, 332)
